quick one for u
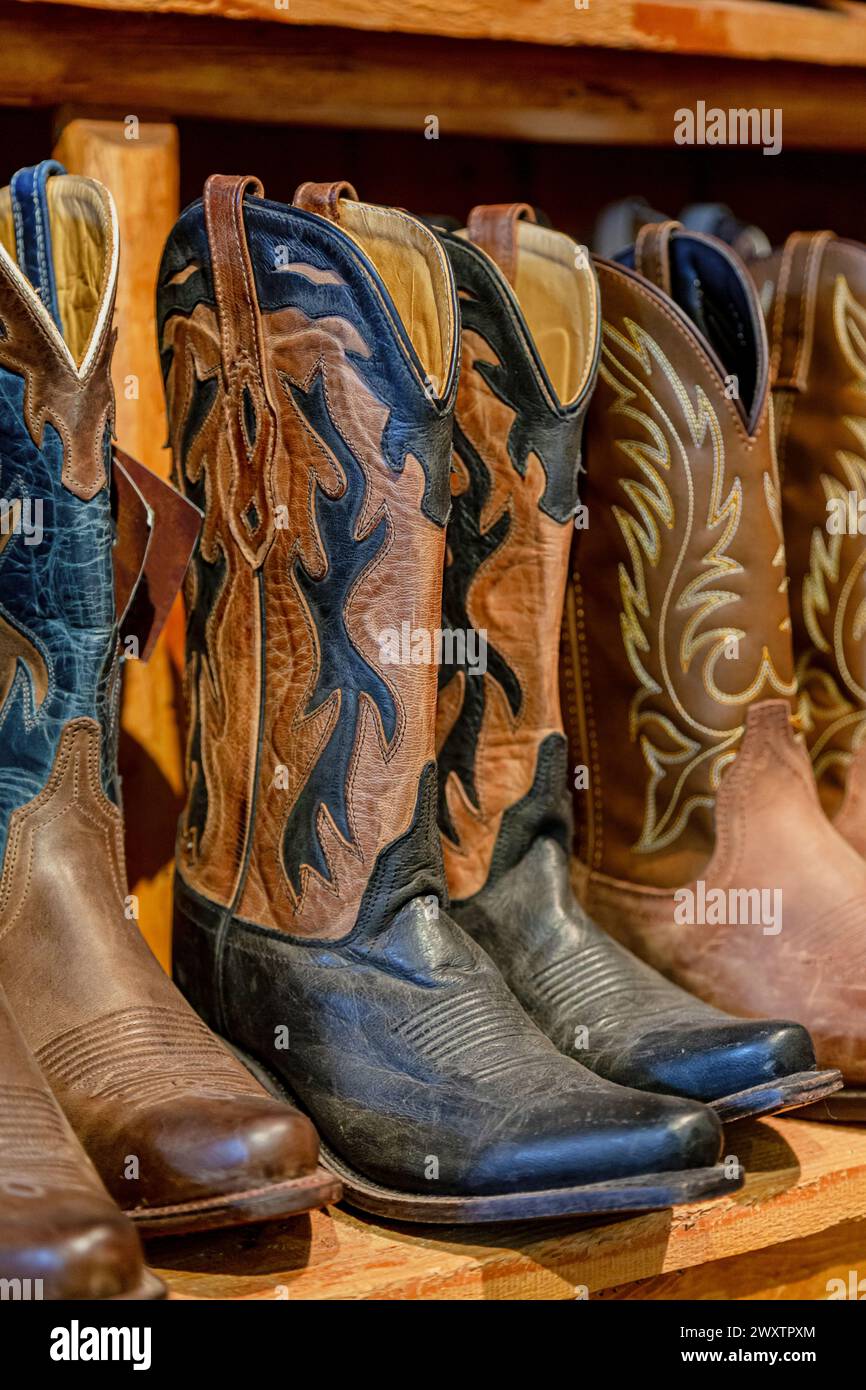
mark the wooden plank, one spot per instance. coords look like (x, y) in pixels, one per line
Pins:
(796, 1269)
(804, 1181)
(171, 65)
(143, 174)
(734, 28)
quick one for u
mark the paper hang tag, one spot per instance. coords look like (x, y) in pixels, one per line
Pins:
(156, 530)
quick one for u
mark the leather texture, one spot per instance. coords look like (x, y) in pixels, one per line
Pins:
(31, 220)
(514, 484)
(505, 812)
(358, 467)
(136, 1072)
(602, 1005)
(678, 668)
(58, 1226)
(814, 292)
(310, 928)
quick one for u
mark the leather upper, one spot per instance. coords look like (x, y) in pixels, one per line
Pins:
(58, 1225)
(814, 292)
(523, 392)
(677, 617)
(316, 439)
(57, 640)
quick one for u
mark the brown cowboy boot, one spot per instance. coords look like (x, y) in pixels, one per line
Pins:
(531, 338)
(180, 1133)
(814, 292)
(61, 1235)
(700, 837)
(311, 358)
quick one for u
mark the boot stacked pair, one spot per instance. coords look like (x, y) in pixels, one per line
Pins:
(369, 507)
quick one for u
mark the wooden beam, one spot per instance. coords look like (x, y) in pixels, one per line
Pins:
(728, 28)
(178, 66)
(804, 1182)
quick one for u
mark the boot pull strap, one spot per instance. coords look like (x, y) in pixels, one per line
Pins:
(33, 231)
(250, 416)
(493, 227)
(652, 253)
(323, 198)
(792, 319)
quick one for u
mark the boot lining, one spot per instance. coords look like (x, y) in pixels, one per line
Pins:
(412, 265)
(559, 299)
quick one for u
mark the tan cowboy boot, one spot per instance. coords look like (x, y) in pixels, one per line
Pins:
(814, 292)
(701, 841)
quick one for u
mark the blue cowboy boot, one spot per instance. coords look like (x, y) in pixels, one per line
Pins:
(180, 1134)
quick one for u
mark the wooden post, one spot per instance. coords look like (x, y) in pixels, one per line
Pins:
(139, 163)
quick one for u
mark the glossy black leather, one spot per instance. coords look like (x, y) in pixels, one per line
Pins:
(407, 1047)
(600, 1004)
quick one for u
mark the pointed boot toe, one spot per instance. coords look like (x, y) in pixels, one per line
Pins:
(197, 1148)
(739, 1066)
(79, 1247)
(604, 1135)
(61, 1236)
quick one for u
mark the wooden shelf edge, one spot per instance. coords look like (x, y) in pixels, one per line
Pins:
(748, 29)
(803, 1179)
(173, 66)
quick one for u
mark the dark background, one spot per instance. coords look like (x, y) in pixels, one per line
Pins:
(795, 190)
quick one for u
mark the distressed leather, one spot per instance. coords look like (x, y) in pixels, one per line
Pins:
(505, 813)
(58, 1225)
(310, 926)
(137, 1074)
(514, 479)
(678, 668)
(814, 292)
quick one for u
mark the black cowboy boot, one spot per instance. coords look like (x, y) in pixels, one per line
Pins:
(311, 356)
(531, 333)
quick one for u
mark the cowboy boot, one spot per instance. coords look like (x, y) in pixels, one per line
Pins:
(61, 1236)
(701, 844)
(180, 1133)
(310, 355)
(814, 294)
(504, 810)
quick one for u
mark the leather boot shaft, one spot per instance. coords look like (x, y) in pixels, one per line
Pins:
(58, 644)
(677, 618)
(814, 292)
(530, 338)
(310, 360)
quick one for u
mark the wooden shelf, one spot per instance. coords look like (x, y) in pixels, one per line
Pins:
(172, 65)
(724, 28)
(799, 1220)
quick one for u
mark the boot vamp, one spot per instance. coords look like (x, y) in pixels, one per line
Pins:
(600, 1004)
(165, 1112)
(60, 1234)
(419, 1063)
